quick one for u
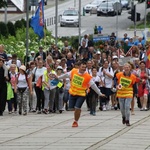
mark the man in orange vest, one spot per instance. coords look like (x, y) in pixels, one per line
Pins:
(80, 83)
(126, 81)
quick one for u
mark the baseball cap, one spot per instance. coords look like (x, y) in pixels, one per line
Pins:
(98, 52)
(115, 57)
(9, 55)
(32, 52)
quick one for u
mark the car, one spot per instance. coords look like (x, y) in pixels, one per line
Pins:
(125, 4)
(92, 6)
(70, 17)
(108, 8)
(45, 2)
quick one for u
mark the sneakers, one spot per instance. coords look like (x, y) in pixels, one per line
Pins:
(104, 107)
(25, 113)
(123, 120)
(132, 113)
(75, 124)
(127, 123)
(39, 112)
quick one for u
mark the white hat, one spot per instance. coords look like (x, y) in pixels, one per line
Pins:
(32, 52)
(9, 55)
(59, 67)
(115, 57)
(98, 52)
(126, 40)
(121, 56)
(22, 67)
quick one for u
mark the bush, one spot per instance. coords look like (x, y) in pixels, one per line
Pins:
(148, 18)
(24, 22)
(3, 30)
(11, 28)
(19, 24)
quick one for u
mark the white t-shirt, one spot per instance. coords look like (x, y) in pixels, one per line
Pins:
(96, 79)
(38, 72)
(22, 82)
(107, 80)
(18, 63)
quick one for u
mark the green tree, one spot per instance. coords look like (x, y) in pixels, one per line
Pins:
(11, 28)
(3, 30)
(3, 3)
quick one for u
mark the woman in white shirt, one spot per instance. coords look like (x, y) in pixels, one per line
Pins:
(23, 83)
(106, 75)
(92, 94)
(38, 73)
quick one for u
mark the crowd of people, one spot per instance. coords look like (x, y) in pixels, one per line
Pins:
(62, 79)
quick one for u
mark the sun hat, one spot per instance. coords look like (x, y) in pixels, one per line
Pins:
(59, 67)
(22, 67)
(115, 57)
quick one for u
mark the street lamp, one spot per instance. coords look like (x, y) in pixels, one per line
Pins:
(56, 22)
(27, 30)
(79, 20)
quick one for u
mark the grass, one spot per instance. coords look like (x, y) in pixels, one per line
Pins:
(140, 25)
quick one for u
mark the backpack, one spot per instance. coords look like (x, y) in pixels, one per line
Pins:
(108, 69)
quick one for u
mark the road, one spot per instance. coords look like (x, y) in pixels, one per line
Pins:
(54, 132)
(108, 23)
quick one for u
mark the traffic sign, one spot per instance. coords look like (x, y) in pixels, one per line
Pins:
(101, 38)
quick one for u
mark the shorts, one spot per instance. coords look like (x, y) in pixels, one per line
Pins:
(76, 101)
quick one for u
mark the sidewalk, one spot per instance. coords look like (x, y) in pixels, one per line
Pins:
(53, 131)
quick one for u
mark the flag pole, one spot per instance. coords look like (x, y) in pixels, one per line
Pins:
(27, 30)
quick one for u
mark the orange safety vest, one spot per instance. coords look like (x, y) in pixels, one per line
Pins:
(127, 85)
(79, 83)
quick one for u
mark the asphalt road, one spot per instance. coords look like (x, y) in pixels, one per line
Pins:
(108, 24)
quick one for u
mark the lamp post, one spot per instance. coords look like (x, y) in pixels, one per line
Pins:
(56, 22)
(145, 14)
(5, 13)
(27, 30)
(79, 20)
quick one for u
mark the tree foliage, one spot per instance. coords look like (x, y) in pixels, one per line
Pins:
(3, 29)
(11, 28)
(3, 4)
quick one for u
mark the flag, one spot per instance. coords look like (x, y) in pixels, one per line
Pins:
(37, 21)
(129, 53)
(148, 58)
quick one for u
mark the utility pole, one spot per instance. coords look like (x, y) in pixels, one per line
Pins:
(74, 3)
(79, 21)
(27, 30)
(56, 22)
(135, 18)
(145, 14)
(5, 13)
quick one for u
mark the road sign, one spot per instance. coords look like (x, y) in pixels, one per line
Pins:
(33, 3)
(117, 6)
(101, 38)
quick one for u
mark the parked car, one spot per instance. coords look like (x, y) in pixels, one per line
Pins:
(125, 4)
(92, 6)
(108, 8)
(70, 17)
(45, 2)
